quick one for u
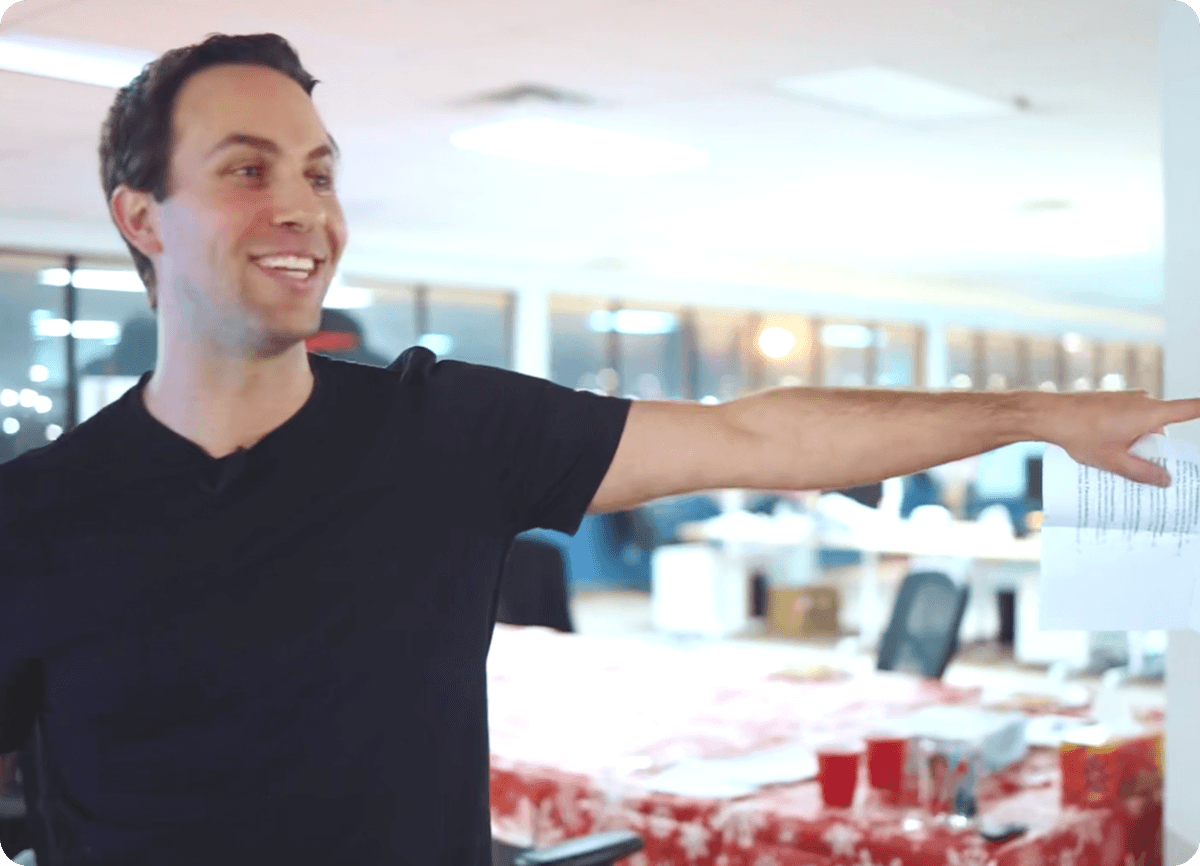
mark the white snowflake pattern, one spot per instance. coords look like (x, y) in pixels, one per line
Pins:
(787, 835)
(605, 816)
(639, 859)
(567, 800)
(548, 831)
(1067, 857)
(974, 854)
(842, 840)
(660, 826)
(1110, 854)
(517, 826)
(1090, 831)
(765, 860)
(693, 837)
(738, 823)
(722, 860)
(1140, 860)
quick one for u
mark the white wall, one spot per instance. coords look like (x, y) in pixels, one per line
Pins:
(1179, 52)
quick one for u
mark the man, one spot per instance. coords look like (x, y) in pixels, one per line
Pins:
(245, 610)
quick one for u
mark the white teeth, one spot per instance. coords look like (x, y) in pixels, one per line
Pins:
(290, 263)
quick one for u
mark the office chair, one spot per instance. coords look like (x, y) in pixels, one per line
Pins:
(533, 586)
(598, 849)
(14, 834)
(922, 636)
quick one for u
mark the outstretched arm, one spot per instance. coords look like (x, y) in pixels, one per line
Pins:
(824, 439)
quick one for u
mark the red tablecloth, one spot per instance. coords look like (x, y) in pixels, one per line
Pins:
(575, 721)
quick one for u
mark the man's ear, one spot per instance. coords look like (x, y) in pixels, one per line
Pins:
(133, 213)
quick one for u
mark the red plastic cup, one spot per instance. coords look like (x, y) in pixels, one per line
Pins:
(885, 764)
(837, 770)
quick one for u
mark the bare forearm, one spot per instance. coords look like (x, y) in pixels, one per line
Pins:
(810, 439)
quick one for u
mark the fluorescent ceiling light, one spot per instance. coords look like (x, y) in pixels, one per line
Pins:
(636, 322)
(342, 297)
(586, 148)
(848, 337)
(81, 329)
(113, 281)
(894, 94)
(102, 65)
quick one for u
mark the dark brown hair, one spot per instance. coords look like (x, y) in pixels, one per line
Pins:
(135, 139)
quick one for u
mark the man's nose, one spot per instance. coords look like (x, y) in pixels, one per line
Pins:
(299, 206)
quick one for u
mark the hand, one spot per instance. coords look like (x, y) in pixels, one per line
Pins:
(1098, 429)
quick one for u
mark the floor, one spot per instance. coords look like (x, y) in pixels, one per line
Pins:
(985, 664)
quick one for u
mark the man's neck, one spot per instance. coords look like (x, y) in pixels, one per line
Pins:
(222, 405)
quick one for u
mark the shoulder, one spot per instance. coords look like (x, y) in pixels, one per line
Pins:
(462, 385)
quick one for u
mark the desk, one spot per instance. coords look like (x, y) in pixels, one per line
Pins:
(958, 539)
(573, 718)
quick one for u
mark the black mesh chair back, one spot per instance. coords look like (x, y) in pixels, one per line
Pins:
(533, 586)
(923, 634)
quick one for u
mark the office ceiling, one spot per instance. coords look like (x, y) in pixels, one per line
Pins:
(793, 187)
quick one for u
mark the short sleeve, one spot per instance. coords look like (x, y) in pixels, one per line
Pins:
(546, 448)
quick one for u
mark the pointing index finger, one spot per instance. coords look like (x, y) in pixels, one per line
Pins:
(1176, 411)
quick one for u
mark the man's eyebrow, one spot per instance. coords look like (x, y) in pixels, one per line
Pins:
(329, 149)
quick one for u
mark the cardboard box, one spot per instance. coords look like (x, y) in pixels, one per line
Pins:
(1101, 770)
(806, 611)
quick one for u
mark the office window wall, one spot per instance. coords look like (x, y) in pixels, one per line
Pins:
(115, 335)
(33, 363)
(472, 325)
(782, 350)
(961, 364)
(849, 350)
(580, 356)
(650, 344)
(981, 360)
(720, 363)
(1046, 358)
(900, 356)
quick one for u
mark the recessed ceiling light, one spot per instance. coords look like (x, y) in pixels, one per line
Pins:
(101, 65)
(894, 94)
(585, 148)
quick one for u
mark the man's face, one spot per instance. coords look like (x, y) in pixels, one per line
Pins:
(251, 176)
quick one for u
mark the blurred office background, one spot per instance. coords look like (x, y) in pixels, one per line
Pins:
(961, 195)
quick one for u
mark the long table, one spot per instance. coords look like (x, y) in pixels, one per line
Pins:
(577, 722)
(956, 539)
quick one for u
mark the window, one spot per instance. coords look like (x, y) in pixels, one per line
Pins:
(720, 361)
(472, 326)
(33, 364)
(848, 352)
(960, 351)
(899, 360)
(579, 355)
(651, 350)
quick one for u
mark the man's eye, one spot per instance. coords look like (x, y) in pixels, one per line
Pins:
(248, 168)
(326, 180)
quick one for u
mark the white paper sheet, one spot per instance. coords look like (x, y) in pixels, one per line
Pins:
(736, 777)
(1117, 555)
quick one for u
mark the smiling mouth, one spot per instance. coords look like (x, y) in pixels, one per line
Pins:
(293, 276)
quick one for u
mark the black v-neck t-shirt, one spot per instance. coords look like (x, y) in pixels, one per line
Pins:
(279, 656)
